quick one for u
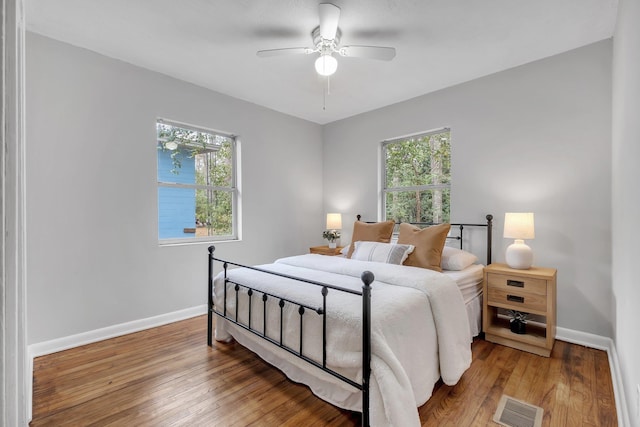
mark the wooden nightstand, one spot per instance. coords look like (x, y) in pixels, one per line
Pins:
(531, 291)
(325, 250)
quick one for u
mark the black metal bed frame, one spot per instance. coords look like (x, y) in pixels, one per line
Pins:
(367, 278)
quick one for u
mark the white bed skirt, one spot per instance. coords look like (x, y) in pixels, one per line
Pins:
(474, 312)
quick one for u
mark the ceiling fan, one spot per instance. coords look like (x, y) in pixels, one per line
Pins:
(326, 42)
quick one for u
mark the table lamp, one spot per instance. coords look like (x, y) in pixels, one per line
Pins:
(519, 226)
(334, 223)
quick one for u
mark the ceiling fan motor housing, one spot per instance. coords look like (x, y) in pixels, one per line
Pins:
(325, 46)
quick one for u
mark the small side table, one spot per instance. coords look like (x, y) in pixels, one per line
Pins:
(325, 250)
(531, 291)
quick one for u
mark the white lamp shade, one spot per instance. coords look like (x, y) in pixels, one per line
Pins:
(326, 65)
(334, 221)
(519, 225)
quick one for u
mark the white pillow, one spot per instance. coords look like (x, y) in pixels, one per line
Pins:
(388, 253)
(455, 259)
(345, 250)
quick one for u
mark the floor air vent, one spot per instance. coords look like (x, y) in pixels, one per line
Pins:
(516, 413)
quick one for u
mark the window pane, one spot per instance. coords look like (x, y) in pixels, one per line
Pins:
(423, 160)
(187, 213)
(214, 213)
(418, 206)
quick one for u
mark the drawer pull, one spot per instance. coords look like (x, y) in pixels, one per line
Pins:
(516, 283)
(515, 298)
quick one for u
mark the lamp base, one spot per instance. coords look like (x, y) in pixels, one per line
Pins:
(519, 255)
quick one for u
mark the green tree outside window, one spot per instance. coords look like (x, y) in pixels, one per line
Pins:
(417, 178)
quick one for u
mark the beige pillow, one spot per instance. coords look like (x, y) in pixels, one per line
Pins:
(374, 232)
(428, 244)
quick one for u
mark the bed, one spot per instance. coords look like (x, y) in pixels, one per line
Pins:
(364, 335)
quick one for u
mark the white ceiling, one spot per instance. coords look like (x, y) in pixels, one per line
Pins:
(213, 43)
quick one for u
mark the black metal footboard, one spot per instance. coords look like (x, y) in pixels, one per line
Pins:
(367, 278)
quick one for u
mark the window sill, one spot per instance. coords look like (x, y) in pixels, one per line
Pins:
(188, 242)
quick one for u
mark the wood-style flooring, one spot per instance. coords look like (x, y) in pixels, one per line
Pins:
(167, 376)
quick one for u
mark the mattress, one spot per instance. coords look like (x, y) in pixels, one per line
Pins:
(469, 282)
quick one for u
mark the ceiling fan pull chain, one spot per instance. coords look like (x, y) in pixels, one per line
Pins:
(325, 93)
(324, 100)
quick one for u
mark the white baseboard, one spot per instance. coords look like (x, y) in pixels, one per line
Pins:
(64, 343)
(606, 344)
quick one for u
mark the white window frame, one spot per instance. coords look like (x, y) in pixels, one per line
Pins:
(384, 190)
(233, 189)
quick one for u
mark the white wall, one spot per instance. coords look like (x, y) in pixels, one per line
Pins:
(626, 197)
(93, 255)
(534, 138)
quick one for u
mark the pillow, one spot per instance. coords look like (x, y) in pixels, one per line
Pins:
(374, 232)
(381, 252)
(428, 244)
(455, 259)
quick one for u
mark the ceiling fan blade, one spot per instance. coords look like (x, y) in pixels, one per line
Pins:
(370, 52)
(285, 51)
(329, 16)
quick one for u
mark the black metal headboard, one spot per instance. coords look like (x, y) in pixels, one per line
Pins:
(460, 227)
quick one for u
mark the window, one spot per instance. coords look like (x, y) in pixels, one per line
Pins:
(197, 193)
(416, 178)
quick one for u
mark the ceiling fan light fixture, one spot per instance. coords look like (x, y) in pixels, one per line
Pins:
(326, 65)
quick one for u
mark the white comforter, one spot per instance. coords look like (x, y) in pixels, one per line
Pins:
(417, 315)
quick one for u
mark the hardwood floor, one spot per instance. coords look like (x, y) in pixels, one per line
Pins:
(167, 376)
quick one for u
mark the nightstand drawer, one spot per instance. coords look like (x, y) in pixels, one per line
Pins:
(521, 301)
(512, 284)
